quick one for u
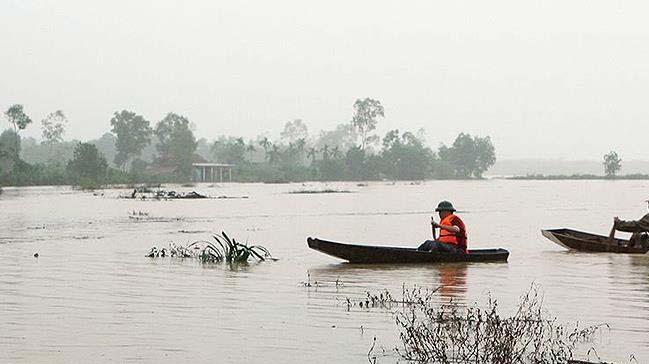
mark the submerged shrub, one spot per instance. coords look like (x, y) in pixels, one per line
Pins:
(222, 249)
(449, 333)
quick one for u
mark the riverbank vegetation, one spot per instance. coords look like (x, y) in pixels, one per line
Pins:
(137, 151)
(560, 177)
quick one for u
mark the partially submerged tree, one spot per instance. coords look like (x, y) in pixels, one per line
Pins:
(405, 156)
(17, 117)
(133, 134)
(53, 127)
(88, 166)
(177, 144)
(612, 164)
(8, 150)
(364, 120)
(469, 156)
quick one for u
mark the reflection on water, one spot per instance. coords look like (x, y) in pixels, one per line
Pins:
(452, 281)
(92, 296)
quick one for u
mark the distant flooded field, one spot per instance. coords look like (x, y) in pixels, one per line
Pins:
(92, 296)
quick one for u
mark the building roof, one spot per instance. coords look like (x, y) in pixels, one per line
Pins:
(212, 165)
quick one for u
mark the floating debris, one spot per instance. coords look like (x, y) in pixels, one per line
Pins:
(183, 231)
(147, 194)
(308, 283)
(328, 190)
(138, 214)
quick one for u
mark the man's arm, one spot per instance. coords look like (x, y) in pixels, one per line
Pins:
(452, 228)
(633, 226)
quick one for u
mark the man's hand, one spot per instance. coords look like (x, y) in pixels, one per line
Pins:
(433, 223)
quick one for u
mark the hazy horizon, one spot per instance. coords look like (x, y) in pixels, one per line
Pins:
(545, 79)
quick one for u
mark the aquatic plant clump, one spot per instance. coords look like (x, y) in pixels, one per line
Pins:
(222, 249)
(448, 333)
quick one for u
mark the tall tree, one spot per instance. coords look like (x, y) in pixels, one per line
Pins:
(250, 148)
(133, 134)
(229, 150)
(364, 120)
(470, 156)
(294, 130)
(53, 127)
(17, 117)
(486, 155)
(312, 153)
(343, 136)
(177, 143)
(8, 150)
(87, 164)
(265, 144)
(274, 154)
(405, 156)
(612, 164)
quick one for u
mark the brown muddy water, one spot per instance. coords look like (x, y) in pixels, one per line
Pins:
(92, 295)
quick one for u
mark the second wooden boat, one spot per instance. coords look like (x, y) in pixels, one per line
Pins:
(383, 254)
(587, 242)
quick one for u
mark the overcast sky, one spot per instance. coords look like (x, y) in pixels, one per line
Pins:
(547, 79)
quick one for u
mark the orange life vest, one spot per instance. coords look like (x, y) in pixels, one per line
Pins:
(447, 237)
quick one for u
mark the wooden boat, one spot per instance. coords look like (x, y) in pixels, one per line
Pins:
(382, 254)
(587, 242)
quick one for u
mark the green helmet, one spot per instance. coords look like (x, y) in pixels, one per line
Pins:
(445, 206)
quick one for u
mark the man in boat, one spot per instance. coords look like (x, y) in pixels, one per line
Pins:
(638, 228)
(452, 232)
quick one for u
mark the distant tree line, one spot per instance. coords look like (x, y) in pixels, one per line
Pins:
(136, 151)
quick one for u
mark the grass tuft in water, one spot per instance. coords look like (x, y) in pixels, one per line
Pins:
(221, 249)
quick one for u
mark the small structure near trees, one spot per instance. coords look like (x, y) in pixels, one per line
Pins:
(211, 172)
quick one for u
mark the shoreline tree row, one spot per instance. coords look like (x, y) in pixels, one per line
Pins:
(139, 151)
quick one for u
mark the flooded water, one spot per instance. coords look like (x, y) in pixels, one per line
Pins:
(93, 296)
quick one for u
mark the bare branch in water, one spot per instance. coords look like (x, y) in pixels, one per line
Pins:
(433, 332)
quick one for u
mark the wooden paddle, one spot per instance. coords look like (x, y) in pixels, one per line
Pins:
(433, 228)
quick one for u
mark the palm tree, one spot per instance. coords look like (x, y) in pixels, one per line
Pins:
(273, 154)
(312, 154)
(215, 150)
(265, 143)
(300, 144)
(335, 153)
(250, 149)
(325, 152)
